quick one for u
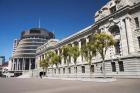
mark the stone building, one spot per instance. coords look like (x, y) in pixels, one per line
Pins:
(24, 49)
(119, 18)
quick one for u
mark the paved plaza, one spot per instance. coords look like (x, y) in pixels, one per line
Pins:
(34, 85)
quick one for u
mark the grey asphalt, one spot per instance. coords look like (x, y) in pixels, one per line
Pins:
(34, 85)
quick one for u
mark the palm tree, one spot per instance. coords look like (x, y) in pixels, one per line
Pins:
(75, 54)
(102, 42)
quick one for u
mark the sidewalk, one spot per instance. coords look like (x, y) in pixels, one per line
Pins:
(86, 79)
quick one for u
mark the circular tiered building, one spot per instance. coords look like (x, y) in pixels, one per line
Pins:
(23, 57)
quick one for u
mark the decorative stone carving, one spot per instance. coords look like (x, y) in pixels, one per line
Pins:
(123, 3)
(112, 22)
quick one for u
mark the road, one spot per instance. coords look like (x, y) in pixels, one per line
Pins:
(34, 85)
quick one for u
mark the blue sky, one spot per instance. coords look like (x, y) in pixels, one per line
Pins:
(63, 17)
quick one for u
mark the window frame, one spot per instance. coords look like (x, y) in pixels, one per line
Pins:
(83, 69)
(113, 65)
(137, 24)
(121, 66)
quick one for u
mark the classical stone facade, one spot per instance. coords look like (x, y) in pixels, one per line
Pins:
(119, 18)
(24, 50)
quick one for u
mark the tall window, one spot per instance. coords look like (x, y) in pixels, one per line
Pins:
(139, 41)
(113, 9)
(69, 70)
(114, 30)
(92, 68)
(137, 22)
(121, 66)
(63, 70)
(113, 66)
(117, 47)
(59, 70)
(55, 71)
(75, 69)
(83, 69)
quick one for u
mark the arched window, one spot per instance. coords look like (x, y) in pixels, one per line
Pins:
(114, 30)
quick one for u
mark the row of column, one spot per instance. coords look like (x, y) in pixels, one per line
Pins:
(79, 42)
(22, 64)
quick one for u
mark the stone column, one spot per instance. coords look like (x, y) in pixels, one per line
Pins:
(129, 35)
(29, 63)
(58, 53)
(12, 65)
(18, 63)
(62, 60)
(87, 39)
(72, 60)
(123, 41)
(13, 62)
(23, 64)
(79, 44)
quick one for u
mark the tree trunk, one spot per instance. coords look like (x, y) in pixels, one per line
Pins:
(45, 72)
(103, 67)
(75, 71)
(68, 69)
(52, 71)
(90, 70)
(103, 64)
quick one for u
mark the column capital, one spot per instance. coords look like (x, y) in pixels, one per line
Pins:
(128, 17)
(78, 40)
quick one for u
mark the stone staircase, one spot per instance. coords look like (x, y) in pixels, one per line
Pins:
(29, 74)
